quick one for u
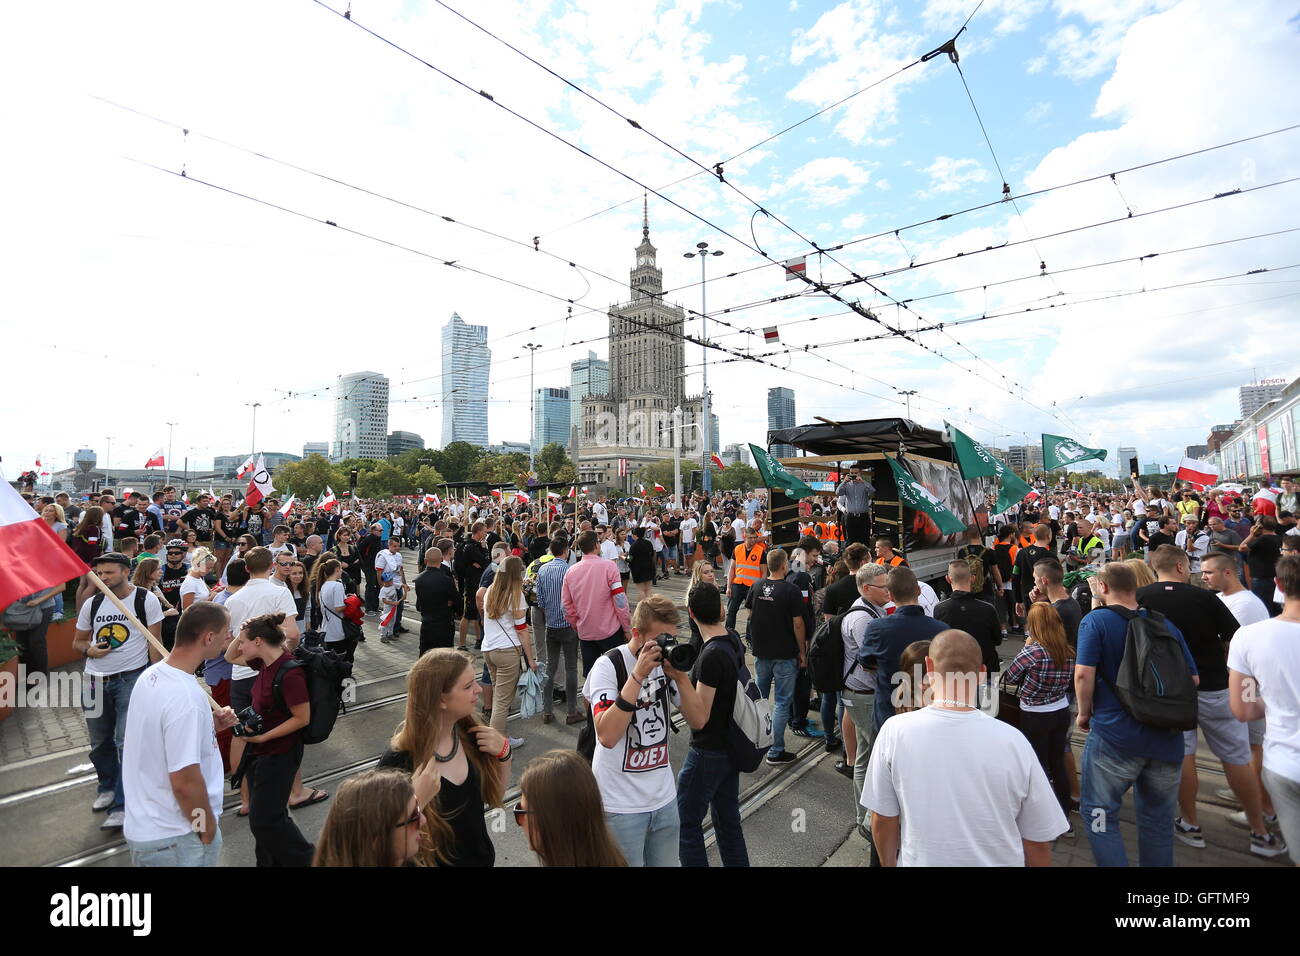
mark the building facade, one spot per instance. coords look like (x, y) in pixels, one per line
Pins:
(509, 448)
(1122, 457)
(361, 416)
(466, 362)
(588, 376)
(321, 448)
(1264, 443)
(225, 466)
(1025, 457)
(632, 420)
(399, 442)
(735, 454)
(780, 414)
(550, 417)
(1251, 398)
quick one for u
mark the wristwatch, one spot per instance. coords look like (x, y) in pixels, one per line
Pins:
(621, 703)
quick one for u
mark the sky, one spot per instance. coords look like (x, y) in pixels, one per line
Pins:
(136, 296)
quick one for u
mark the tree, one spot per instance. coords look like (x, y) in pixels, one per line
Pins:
(498, 469)
(308, 478)
(551, 461)
(457, 461)
(738, 477)
(660, 471)
(427, 478)
(384, 481)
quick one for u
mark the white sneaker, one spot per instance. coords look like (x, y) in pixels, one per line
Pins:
(1238, 819)
(1188, 834)
(102, 802)
(114, 821)
(1269, 845)
(516, 743)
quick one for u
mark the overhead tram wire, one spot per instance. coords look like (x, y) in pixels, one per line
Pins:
(739, 241)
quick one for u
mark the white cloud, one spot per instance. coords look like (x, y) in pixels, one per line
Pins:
(1011, 16)
(1037, 112)
(1082, 55)
(829, 181)
(948, 175)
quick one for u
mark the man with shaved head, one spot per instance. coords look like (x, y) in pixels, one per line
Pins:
(994, 806)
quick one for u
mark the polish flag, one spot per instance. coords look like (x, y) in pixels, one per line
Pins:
(259, 486)
(38, 463)
(1200, 473)
(287, 506)
(659, 487)
(496, 493)
(1032, 496)
(584, 489)
(573, 492)
(718, 461)
(327, 499)
(246, 467)
(640, 488)
(388, 618)
(155, 460)
(32, 557)
(472, 497)
(555, 494)
(795, 268)
(521, 498)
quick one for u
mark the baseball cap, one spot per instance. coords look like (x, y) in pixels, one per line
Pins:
(112, 557)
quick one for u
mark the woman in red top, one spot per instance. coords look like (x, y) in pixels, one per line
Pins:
(274, 754)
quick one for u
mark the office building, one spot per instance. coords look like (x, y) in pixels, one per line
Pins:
(550, 417)
(780, 414)
(1254, 397)
(588, 376)
(225, 466)
(361, 416)
(1122, 459)
(399, 442)
(735, 454)
(466, 362)
(1025, 457)
(508, 448)
(1196, 451)
(321, 448)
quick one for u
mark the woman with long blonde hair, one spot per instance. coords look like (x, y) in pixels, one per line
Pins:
(376, 819)
(1142, 571)
(507, 645)
(472, 760)
(562, 814)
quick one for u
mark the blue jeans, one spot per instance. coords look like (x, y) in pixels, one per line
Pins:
(829, 712)
(186, 850)
(647, 839)
(1105, 777)
(110, 696)
(785, 673)
(710, 782)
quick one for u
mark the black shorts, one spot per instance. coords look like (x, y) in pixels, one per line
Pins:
(469, 594)
(591, 650)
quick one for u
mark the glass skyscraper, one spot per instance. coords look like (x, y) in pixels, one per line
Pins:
(466, 361)
(780, 414)
(361, 416)
(589, 376)
(550, 417)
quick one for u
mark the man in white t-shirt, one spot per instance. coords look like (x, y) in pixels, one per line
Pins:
(171, 761)
(259, 596)
(687, 528)
(117, 652)
(389, 561)
(994, 806)
(1264, 675)
(636, 780)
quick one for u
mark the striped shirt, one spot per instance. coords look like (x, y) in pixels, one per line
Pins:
(550, 589)
(857, 495)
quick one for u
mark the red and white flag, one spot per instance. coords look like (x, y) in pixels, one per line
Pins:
(795, 268)
(259, 485)
(472, 497)
(496, 493)
(771, 334)
(640, 488)
(246, 467)
(573, 492)
(556, 495)
(1032, 496)
(521, 497)
(388, 618)
(659, 487)
(32, 556)
(155, 460)
(1197, 472)
(327, 499)
(718, 461)
(287, 506)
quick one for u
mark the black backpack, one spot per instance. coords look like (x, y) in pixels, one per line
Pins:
(325, 672)
(98, 600)
(826, 653)
(587, 739)
(1154, 684)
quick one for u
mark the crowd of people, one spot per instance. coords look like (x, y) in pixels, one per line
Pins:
(230, 592)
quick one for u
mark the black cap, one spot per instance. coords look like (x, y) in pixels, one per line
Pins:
(112, 557)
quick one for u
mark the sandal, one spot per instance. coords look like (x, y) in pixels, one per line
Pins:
(316, 797)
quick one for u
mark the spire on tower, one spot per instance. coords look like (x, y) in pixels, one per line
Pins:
(645, 216)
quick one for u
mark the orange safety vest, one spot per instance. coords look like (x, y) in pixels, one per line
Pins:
(837, 533)
(1025, 541)
(823, 531)
(893, 562)
(747, 567)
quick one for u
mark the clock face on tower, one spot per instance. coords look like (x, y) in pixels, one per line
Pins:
(644, 260)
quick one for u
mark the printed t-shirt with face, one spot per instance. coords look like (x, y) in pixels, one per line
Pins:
(128, 647)
(259, 596)
(634, 775)
(201, 520)
(170, 717)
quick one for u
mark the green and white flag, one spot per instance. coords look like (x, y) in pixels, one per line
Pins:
(1059, 451)
(775, 475)
(1012, 491)
(976, 461)
(916, 496)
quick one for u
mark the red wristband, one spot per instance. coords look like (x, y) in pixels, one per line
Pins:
(505, 750)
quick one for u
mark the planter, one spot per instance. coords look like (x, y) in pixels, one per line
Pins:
(9, 680)
(58, 642)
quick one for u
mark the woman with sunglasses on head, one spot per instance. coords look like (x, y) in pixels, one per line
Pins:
(376, 819)
(243, 544)
(472, 760)
(562, 814)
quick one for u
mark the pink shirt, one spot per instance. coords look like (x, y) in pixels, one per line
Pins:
(593, 599)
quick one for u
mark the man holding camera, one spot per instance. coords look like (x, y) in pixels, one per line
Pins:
(631, 717)
(173, 763)
(117, 653)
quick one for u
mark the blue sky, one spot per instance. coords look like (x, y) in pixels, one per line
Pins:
(1067, 89)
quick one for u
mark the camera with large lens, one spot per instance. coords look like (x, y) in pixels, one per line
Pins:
(250, 723)
(680, 656)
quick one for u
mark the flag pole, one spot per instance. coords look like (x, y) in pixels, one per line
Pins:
(156, 644)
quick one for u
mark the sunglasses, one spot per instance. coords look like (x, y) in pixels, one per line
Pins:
(520, 813)
(413, 820)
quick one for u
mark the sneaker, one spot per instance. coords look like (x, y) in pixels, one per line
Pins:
(385, 640)
(1238, 819)
(1188, 834)
(833, 744)
(1071, 833)
(1267, 844)
(102, 802)
(1227, 796)
(783, 757)
(516, 743)
(844, 769)
(117, 819)
(807, 730)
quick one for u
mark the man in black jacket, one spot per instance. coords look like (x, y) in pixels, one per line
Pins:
(1022, 571)
(472, 558)
(438, 600)
(967, 612)
(368, 547)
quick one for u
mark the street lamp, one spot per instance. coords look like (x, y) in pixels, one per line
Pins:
(254, 406)
(532, 406)
(108, 454)
(704, 252)
(168, 480)
(907, 394)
